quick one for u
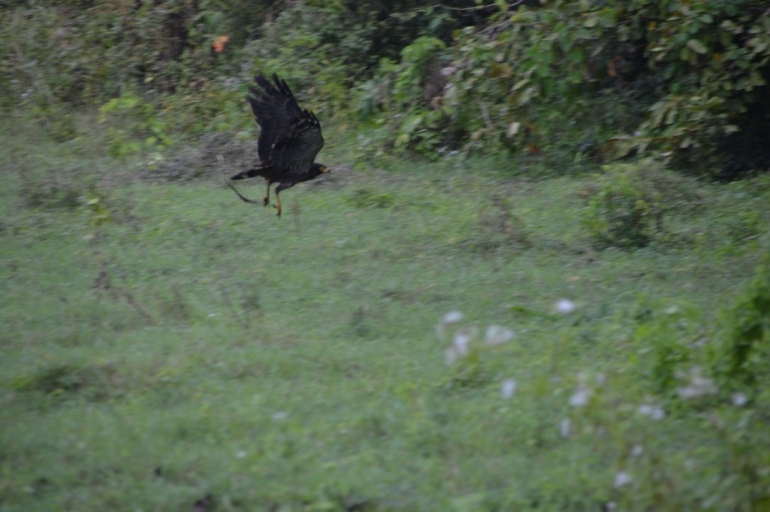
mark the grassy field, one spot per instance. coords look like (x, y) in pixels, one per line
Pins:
(164, 343)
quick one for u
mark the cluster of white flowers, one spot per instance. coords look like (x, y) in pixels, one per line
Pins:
(580, 397)
(582, 394)
(696, 384)
(459, 347)
(655, 412)
(461, 336)
(622, 478)
(496, 335)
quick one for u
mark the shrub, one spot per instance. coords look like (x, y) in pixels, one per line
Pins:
(744, 356)
(626, 211)
(604, 80)
(628, 203)
(321, 48)
(667, 336)
(133, 125)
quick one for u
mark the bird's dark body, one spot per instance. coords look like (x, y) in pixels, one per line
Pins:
(285, 179)
(289, 140)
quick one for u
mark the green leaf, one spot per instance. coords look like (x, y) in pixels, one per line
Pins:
(696, 46)
(520, 84)
(401, 140)
(513, 128)
(411, 124)
(607, 16)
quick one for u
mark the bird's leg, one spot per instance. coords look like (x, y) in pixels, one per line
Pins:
(267, 194)
(281, 186)
(278, 200)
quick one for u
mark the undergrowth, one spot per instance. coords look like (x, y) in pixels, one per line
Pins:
(448, 339)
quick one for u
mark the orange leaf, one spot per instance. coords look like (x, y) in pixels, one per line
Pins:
(219, 43)
(533, 149)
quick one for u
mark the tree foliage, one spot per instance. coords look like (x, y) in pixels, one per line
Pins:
(612, 78)
(571, 80)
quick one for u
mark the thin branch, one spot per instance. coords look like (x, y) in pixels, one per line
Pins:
(449, 8)
(464, 9)
(485, 115)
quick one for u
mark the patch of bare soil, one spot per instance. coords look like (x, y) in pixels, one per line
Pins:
(200, 160)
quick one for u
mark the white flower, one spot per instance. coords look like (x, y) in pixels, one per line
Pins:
(622, 478)
(497, 335)
(739, 399)
(655, 412)
(452, 317)
(508, 388)
(280, 415)
(698, 385)
(637, 450)
(460, 345)
(240, 454)
(564, 427)
(461, 341)
(565, 306)
(580, 397)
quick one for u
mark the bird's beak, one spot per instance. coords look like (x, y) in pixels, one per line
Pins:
(324, 169)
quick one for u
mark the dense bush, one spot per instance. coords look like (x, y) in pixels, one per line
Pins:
(568, 81)
(744, 356)
(629, 202)
(624, 213)
(83, 53)
(609, 79)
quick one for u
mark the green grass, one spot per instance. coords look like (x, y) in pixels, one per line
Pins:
(168, 341)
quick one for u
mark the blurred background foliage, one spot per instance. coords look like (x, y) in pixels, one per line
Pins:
(566, 83)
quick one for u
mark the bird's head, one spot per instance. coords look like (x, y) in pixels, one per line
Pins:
(318, 169)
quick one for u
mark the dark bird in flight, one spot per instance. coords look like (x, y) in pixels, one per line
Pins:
(289, 141)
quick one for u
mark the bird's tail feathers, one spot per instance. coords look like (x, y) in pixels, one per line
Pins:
(252, 173)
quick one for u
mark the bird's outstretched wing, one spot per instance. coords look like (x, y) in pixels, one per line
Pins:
(290, 136)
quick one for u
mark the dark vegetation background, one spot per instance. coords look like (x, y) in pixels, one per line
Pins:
(562, 82)
(167, 348)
